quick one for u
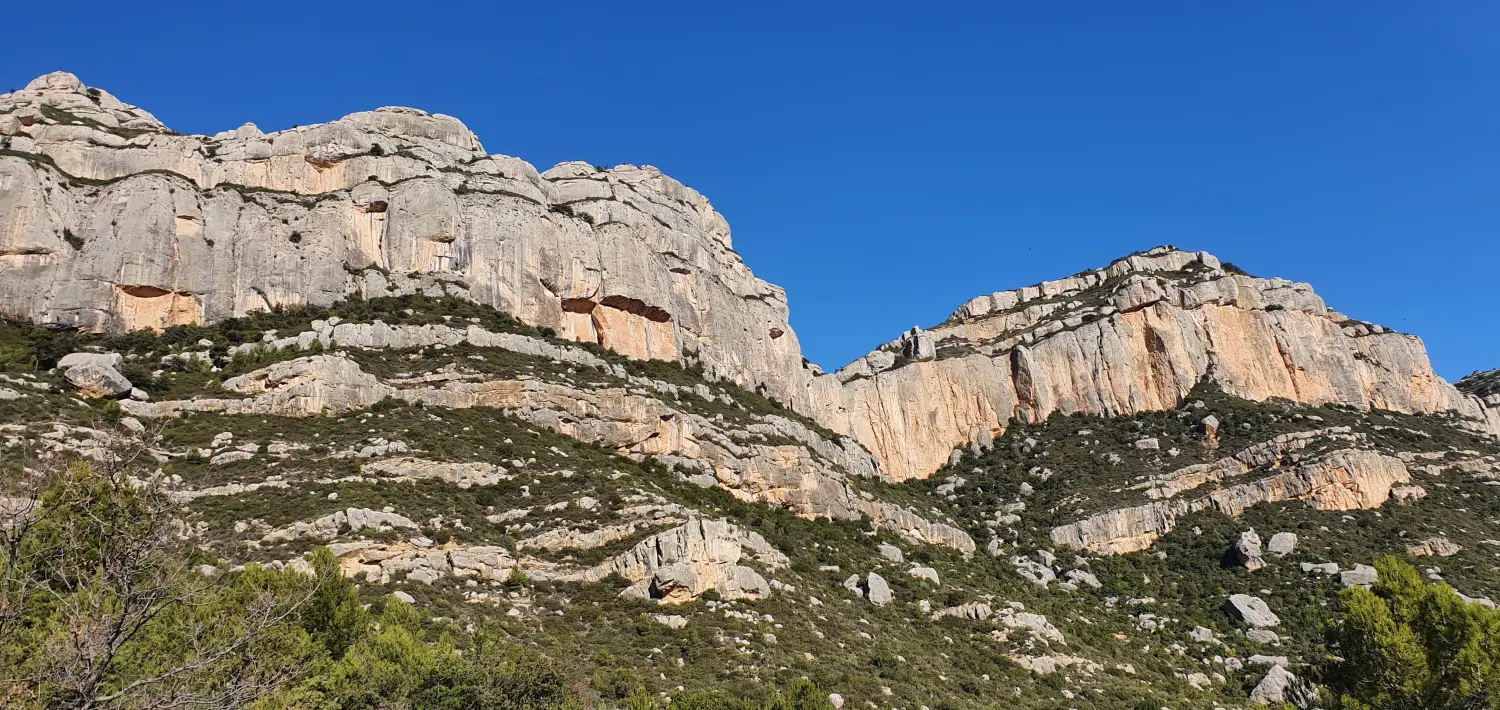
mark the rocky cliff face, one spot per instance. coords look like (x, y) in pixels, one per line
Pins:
(1484, 386)
(1134, 336)
(114, 222)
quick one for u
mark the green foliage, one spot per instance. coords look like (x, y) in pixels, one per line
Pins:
(101, 605)
(333, 616)
(1411, 645)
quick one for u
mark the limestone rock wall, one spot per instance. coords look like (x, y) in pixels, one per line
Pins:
(1134, 336)
(110, 221)
(1346, 479)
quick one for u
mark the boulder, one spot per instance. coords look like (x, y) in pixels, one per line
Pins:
(1435, 547)
(98, 381)
(877, 590)
(1273, 688)
(1362, 575)
(1263, 636)
(1282, 544)
(926, 573)
(891, 552)
(1210, 426)
(973, 611)
(1082, 578)
(1245, 552)
(110, 360)
(1250, 610)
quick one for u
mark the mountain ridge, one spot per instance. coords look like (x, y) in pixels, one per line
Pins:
(556, 409)
(408, 202)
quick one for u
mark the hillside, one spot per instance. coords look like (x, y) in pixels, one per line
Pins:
(556, 406)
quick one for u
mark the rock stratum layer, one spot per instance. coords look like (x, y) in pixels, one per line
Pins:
(109, 221)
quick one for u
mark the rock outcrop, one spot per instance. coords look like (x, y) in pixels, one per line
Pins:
(797, 469)
(1134, 336)
(1485, 387)
(1345, 479)
(679, 564)
(114, 222)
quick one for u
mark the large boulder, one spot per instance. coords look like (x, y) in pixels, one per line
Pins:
(95, 381)
(1282, 544)
(1251, 610)
(74, 359)
(1273, 688)
(877, 590)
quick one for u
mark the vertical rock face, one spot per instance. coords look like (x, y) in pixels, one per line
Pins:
(110, 221)
(1133, 336)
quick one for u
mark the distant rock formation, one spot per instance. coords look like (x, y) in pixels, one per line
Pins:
(1134, 336)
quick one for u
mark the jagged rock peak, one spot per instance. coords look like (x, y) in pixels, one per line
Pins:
(1164, 258)
(60, 98)
(1484, 384)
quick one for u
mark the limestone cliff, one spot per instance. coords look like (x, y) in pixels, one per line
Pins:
(1484, 386)
(1130, 337)
(111, 221)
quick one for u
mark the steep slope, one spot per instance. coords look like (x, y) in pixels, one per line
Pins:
(612, 512)
(558, 402)
(1131, 337)
(113, 222)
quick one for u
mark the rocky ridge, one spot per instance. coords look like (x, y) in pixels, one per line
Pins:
(120, 223)
(562, 478)
(1134, 336)
(772, 459)
(117, 223)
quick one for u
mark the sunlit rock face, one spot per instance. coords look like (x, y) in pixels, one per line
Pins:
(110, 221)
(113, 222)
(1133, 336)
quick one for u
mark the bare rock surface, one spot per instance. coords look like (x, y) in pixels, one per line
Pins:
(1345, 479)
(1133, 336)
(95, 380)
(121, 224)
(680, 564)
(1251, 610)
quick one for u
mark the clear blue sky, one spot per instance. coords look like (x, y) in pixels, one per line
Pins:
(885, 162)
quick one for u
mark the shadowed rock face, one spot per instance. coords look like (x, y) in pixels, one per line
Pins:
(113, 222)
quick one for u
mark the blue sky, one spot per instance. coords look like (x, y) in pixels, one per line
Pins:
(884, 162)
